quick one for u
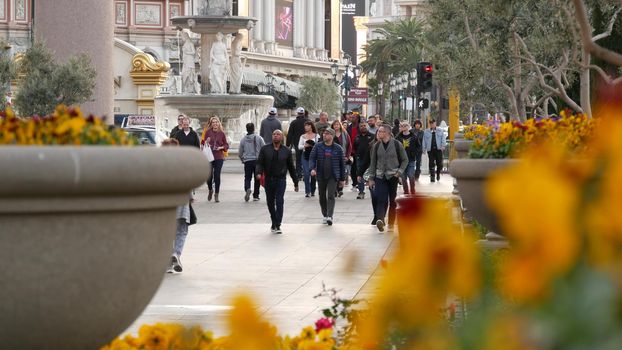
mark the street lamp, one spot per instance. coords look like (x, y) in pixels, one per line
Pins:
(392, 83)
(381, 100)
(413, 83)
(334, 69)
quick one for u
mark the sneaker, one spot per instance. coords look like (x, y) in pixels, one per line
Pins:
(176, 263)
(278, 230)
(438, 177)
(170, 269)
(209, 195)
(432, 179)
(373, 221)
(339, 194)
(361, 195)
(247, 196)
(380, 225)
(255, 199)
(307, 195)
(329, 221)
(312, 194)
(273, 229)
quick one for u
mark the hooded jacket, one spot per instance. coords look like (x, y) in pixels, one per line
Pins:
(250, 146)
(268, 126)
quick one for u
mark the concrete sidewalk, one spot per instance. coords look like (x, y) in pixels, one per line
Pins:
(231, 249)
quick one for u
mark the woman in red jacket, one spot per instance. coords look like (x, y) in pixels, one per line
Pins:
(215, 137)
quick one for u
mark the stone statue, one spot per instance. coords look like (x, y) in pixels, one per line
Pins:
(188, 74)
(216, 8)
(218, 66)
(235, 64)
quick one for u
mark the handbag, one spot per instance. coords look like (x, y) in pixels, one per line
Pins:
(207, 151)
(193, 216)
(262, 179)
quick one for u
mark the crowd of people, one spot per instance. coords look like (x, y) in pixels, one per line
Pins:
(366, 154)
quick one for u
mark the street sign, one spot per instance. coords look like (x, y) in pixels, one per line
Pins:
(358, 95)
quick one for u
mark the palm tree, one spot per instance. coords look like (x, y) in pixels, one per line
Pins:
(397, 50)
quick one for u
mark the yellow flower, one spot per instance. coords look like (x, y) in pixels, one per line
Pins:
(537, 205)
(158, 336)
(248, 330)
(434, 260)
(308, 333)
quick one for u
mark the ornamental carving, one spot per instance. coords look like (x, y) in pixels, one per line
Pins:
(142, 62)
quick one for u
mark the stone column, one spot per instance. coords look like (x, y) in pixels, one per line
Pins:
(319, 30)
(299, 28)
(269, 22)
(258, 29)
(87, 27)
(310, 16)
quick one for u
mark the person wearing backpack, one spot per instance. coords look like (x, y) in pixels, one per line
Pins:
(387, 164)
(248, 152)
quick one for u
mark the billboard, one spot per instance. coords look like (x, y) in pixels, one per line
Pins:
(284, 22)
(358, 95)
(349, 9)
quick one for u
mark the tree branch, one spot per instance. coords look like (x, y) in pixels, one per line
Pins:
(609, 26)
(586, 37)
(467, 28)
(605, 76)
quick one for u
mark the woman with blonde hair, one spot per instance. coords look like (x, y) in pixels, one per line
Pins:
(215, 137)
(343, 139)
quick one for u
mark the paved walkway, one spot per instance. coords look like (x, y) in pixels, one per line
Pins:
(231, 249)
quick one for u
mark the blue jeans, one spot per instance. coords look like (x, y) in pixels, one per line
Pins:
(249, 174)
(180, 236)
(309, 180)
(275, 192)
(385, 193)
(215, 178)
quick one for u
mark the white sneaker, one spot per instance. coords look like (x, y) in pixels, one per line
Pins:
(380, 225)
(325, 220)
(329, 220)
(176, 263)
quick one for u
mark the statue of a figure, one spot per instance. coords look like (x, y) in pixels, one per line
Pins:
(188, 74)
(218, 66)
(235, 64)
(216, 8)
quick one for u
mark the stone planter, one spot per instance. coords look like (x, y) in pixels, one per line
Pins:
(86, 234)
(462, 148)
(470, 175)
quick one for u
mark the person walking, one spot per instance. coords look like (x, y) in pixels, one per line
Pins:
(268, 126)
(343, 139)
(306, 143)
(434, 143)
(183, 221)
(296, 129)
(388, 163)
(407, 138)
(215, 137)
(327, 163)
(353, 130)
(417, 132)
(248, 153)
(186, 136)
(180, 119)
(362, 145)
(275, 160)
(322, 124)
(372, 124)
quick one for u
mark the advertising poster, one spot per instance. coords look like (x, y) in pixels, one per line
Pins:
(349, 9)
(284, 22)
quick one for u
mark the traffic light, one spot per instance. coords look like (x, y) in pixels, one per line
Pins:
(424, 103)
(424, 76)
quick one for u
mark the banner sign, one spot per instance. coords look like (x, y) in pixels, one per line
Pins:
(349, 9)
(358, 95)
(284, 22)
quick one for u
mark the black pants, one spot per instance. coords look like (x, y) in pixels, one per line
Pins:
(385, 193)
(435, 157)
(353, 172)
(418, 165)
(275, 198)
(249, 174)
(299, 163)
(326, 192)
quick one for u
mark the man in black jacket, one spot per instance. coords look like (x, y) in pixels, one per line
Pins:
(175, 130)
(186, 136)
(296, 129)
(273, 162)
(362, 145)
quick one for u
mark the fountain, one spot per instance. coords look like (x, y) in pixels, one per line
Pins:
(218, 64)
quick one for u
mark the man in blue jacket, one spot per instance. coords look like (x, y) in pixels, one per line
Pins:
(327, 163)
(434, 143)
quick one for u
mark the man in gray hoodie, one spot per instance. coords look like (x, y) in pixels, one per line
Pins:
(268, 126)
(250, 145)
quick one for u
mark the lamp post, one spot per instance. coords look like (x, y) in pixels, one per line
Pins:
(400, 87)
(334, 69)
(392, 89)
(413, 83)
(381, 100)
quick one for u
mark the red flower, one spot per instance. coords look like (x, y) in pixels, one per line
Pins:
(324, 323)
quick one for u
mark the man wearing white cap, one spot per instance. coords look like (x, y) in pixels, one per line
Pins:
(268, 126)
(296, 129)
